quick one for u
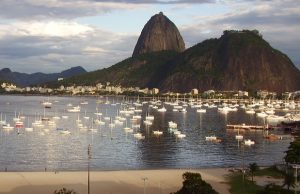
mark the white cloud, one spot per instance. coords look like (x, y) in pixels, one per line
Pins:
(47, 28)
(59, 9)
(57, 45)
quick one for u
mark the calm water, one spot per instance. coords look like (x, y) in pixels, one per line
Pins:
(55, 151)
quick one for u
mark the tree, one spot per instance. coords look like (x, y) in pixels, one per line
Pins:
(64, 191)
(293, 152)
(253, 167)
(193, 184)
(289, 180)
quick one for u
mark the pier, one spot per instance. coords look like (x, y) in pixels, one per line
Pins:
(249, 127)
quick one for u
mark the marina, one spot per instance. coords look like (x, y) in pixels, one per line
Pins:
(137, 133)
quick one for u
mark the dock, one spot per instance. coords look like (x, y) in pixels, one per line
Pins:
(248, 127)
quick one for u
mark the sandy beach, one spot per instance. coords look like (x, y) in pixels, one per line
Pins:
(106, 182)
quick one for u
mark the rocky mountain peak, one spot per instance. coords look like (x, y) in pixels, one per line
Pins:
(159, 34)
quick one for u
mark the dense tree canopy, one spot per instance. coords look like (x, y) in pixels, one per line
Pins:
(293, 153)
(193, 184)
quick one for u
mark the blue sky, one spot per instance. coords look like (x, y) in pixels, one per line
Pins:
(53, 35)
(135, 20)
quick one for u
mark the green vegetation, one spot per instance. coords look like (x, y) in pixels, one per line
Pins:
(239, 40)
(253, 167)
(64, 191)
(274, 189)
(238, 185)
(193, 184)
(231, 62)
(270, 171)
(293, 152)
(143, 70)
(191, 60)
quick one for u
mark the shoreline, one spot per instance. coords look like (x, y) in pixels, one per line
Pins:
(135, 96)
(118, 181)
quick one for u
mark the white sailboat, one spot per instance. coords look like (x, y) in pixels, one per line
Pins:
(249, 142)
(74, 109)
(162, 109)
(157, 132)
(238, 136)
(85, 116)
(92, 129)
(28, 128)
(7, 127)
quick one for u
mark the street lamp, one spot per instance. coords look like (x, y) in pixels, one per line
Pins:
(243, 158)
(89, 158)
(145, 179)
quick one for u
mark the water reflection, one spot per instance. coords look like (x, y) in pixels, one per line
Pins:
(113, 148)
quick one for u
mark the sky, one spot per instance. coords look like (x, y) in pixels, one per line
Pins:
(53, 35)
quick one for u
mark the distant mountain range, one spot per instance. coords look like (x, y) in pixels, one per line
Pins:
(238, 60)
(24, 79)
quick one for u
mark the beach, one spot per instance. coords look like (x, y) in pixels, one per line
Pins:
(107, 182)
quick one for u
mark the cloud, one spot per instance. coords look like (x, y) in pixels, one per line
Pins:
(160, 1)
(35, 46)
(71, 9)
(46, 28)
(57, 9)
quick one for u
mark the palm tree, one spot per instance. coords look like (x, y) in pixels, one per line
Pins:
(253, 167)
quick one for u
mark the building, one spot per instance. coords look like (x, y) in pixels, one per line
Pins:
(265, 93)
(155, 91)
(243, 93)
(194, 91)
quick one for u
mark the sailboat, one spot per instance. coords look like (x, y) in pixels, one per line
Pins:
(44, 117)
(128, 129)
(106, 117)
(7, 127)
(74, 109)
(28, 128)
(63, 131)
(162, 109)
(56, 117)
(47, 103)
(85, 116)
(249, 142)
(238, 136)
(64, 116)
(92, 129)
(3, 122)
(16, 118)
(157, 132)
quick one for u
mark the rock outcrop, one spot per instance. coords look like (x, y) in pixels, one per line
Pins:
(159, 34)
(238, 60)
